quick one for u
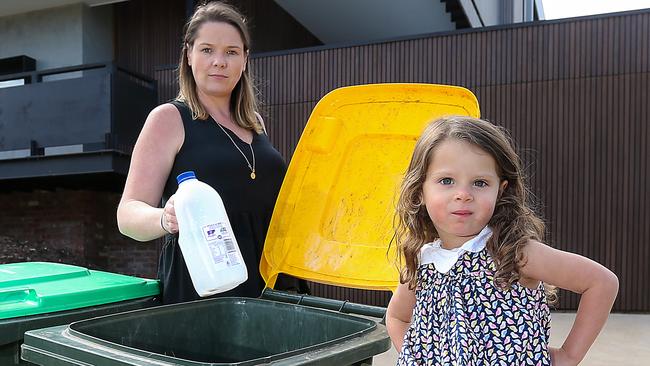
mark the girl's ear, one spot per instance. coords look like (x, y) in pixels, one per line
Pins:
(188, 50)
(502, 187)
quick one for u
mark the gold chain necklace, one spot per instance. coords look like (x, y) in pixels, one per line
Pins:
(251, 167)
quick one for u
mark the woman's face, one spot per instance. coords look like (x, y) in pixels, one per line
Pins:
(217, 58)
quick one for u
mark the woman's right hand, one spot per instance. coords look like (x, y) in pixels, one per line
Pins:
(168, 219)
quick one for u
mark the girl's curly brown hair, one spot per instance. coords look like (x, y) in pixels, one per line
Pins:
(513, 223)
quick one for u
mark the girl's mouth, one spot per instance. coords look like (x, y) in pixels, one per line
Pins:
(462, 213)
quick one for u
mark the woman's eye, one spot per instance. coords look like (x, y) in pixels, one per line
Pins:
(446, 181)
(481, 183)
(233, 53)
(206, 50)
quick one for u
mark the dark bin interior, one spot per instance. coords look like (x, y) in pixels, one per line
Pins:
(12, 330)
(225, 330)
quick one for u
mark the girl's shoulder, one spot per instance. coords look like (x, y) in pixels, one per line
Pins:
(533, 256)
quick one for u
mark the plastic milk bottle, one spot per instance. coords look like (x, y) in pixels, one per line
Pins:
(206, 238)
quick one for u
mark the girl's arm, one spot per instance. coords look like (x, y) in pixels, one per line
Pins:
(597, 285)
(399, 313)
(138, 215)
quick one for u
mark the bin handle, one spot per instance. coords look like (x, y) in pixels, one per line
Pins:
(342, 306)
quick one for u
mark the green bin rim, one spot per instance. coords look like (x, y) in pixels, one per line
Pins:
(371, 326)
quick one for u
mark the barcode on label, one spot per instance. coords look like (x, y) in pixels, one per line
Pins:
(230, 245)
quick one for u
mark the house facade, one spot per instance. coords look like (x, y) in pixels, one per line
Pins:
(80, 77)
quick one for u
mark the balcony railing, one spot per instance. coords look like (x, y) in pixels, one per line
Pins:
(72, 120)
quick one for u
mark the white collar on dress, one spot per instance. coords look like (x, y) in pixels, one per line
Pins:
(444, 259)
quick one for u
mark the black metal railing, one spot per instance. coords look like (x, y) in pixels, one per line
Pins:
(80, 108)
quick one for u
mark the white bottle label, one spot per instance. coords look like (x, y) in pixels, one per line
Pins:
(221, 244)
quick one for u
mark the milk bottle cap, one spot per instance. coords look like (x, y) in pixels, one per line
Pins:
(185, 176)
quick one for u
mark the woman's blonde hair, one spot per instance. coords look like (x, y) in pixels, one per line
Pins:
(513, 222)
(243, 102)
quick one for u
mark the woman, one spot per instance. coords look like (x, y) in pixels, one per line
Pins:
(213, 129)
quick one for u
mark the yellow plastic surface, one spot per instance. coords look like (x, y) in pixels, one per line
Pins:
(333, 220)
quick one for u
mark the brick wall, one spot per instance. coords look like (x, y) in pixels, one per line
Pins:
(72, 226)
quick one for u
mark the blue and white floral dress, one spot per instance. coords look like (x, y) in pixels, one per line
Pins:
(462, 318)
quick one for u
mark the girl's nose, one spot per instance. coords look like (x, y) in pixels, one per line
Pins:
(463, 195)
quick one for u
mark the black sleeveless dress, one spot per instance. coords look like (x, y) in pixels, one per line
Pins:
(212, 156)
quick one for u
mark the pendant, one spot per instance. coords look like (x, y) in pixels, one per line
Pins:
(252, 175)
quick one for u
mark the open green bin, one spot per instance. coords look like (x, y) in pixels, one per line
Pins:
(38, 294)
(222, 331)
(332, 224)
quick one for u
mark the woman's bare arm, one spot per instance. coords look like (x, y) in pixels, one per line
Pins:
(162, 135)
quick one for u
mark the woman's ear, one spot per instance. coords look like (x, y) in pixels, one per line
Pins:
(188, 52)
(502, 187)
(245, 61)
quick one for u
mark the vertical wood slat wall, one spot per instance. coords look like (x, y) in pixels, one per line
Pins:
(148, 35)
(574, 95)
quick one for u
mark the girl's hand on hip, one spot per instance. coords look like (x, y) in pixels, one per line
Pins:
(560, 357)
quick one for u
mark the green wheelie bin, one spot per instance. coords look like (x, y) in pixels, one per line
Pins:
(222, 331)
(39, 294)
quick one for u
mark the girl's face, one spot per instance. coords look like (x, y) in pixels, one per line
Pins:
(217, 58)
(460, 190)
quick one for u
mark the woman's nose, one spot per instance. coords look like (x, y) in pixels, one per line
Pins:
(219, 61)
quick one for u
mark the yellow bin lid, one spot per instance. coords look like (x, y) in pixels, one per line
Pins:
(333, 220)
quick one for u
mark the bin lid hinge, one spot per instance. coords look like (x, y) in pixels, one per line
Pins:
(324, 303)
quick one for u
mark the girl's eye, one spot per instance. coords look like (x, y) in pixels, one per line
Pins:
(481, 183)
(206, 50)
(233, 53)
(446, 181)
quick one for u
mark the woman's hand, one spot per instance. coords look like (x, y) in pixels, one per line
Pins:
(168, 220)
(559, 357)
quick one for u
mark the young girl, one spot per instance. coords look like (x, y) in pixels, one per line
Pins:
(472, 289)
